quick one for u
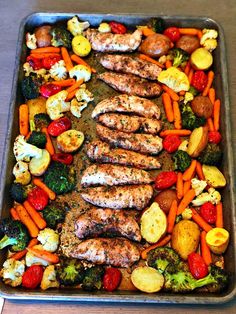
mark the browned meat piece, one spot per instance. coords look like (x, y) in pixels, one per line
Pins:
(106, 174)
(131, 84)
(143, 143)
(127, 104)
(130, 124)
(117, 252)
(101, 152)
(99, 221)
(129, 65)
(108, 42)
(117, 197)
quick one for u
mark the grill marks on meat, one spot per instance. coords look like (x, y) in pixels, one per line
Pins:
(127, 104)
(108, 42)
(131, 84)
(117, 197)
(117, 252)
(101, 152)
(127, 64)
(98, 221)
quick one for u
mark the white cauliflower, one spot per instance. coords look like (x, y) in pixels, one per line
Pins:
(58, 71)
(31, 41)
(56, 105)
(49, 239)
(198, 185)
(76, 107)
(188, 97)
(208, 39)
(76, 27)
(162, 59)
(187, 214)
(212, 196)
(21, 173)
(40, 73)
(83, 96)
(31, 259)
(79, 72)
(12, 272)
(23, 151)
(104, 28)
(49, 279)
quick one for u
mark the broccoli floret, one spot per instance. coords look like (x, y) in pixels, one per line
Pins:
(161, 257)
(157, 24)
(18, 192)
(179, 56)
(193, 91)
(30, 86)
(61, 37)
(189, 120)
(41, 120)
(70, 272)
(60, 178)
(37, 139)
(93, 278)
(53, 214)
(211, 155)
(15, 234)
(181, 160)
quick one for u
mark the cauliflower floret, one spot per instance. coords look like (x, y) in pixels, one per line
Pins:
(49, 239)
(58, 71)
(187, 214)
(76, 27)
(23, 151)
(162, 59)
(80, 71)
(188, 97)
(56, 105)
(84, 94)
(42, 73)
(31, 259)
(208, 39)
(31, 41)
(212, 196)
(198, 185)
(210, 44)
(49, 279)
(12, 272)
(21, 173)
(83, 97)
(104, 28)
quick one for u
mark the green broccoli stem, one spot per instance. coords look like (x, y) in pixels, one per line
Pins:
(204, 281)
(5, 241)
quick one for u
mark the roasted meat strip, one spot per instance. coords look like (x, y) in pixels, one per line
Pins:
(127, 104)
(131, 84)
(108, 42)
(101, 152)
(99, 221)
(143, 143)
(117, 252)
(117, 197)
(127, 64)
(130, 124)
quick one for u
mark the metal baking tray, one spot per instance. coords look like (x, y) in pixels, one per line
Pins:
(221, 84)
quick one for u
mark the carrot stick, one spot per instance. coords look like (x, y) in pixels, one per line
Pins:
(199, 171)
(186, 200)
(162, 242)
(177, 115)
(190, 75)
(44, 55)
(216, 115)
(42, 185)
(79, 60)
(71, 94)
(205, 251)
(200, 221)
(19, 255)
(171, 216)
(189, 31)
(182, 93)
(219, 216)
(168, 64)
(74, 86)
(14, 214)
(64, 83)
(199, 34)
(47, 256)
(182, 132)
(210, 77)
(24, 119)
(49, 146)
(189, 172)
(171, 93)
(46, 50)
(168, 107)
(210, 124)
(147, 31)
(180, 186)
(187, 68)
(35, 215)
(187, 186)
(66, 58)
(212, 95)
(27, 221)
(147, 58)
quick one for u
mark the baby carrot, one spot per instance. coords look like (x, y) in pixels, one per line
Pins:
(35, 215)
(42, 185)
(199, 171)
(216, 115)
(147, 58)
(47, 256)
(210, 77)
(14, 214)
(168, 64)
(19, 255)
(205, 251)
(44, 55)
(177, 115)
(171, 216)
(168, 107)
(187, 68)
(46, 50)
(189, 31)
(200, 221)
(24, 119)
(212, 95)
(186, 200)
(79, 60)
(187, 186)
(162, 242)
(71, 94)
(180, 186)
(74, 86)
(189, 172)
(27, 221)
(190, 75)
(171, 93)
(64, 83)
(210, 124)
(66, 58)
(182, 132)
(49, 146)
(147, 31)
(219, 216)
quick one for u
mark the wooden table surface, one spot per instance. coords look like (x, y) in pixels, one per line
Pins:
(12, 12)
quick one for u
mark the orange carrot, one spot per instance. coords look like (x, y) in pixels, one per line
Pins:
(35, 215)
(49, 146)
(47, 256)
(168, 64)
(27, 221)
(216, 115)
(190, 75)
(66, 58)
(182, 93)
(199, 34)
(79, 60)
(199, 171)
(168, 107)
(171, 216)
(161, 243)
(24, 119)
(189, 172)
(171, 93)
(44, 55)
(212, 95)
(187, 186)
(219, 216)
(46, 50)
(187, 68)
(64, 83)
(180, 186)
(14, 214)
(147, 58)
(182, 132)
(189, 31)
(74, 86)
(210, 78)
(147, 31)
(42, 185)
(19, 255)
(210, 124)
(71, 94)
(186, 200)
(200, 221)
(177, 116)
(205, 251)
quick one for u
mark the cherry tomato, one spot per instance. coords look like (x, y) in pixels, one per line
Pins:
(199, 80)
(208, 212)
(38, 198)
(48, 62)
(171, 143)
(197, 266)
(111, 279)
(117, 28)
(59, 126)
(165, 179)
(32, 276)
(64, 158)
(48, 90)
(36, 64)
(214, 137)
(173, 33)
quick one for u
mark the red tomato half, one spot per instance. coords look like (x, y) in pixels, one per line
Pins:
(171, 143)
(32, 277)
(165, 180)
(173, 33)
(197, 266)
(111, 279)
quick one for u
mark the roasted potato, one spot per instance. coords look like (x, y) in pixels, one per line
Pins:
(202, 106)
(38, 166)
(81, 46)
(147, 279)
(43, 36)
(201, 59)
(217, 239)
(69, 141)
(165, 199)
(214, 177)
(188, 43)
(155, 45)
(198, 141)
(37, 105)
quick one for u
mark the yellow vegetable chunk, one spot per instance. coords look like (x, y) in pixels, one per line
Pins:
(198, 141)
(38, 166)
(81, 46)
(214, 177)
(175, 79)
(147, 279)
(201, 59)
(217, 239)
(69, 141)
